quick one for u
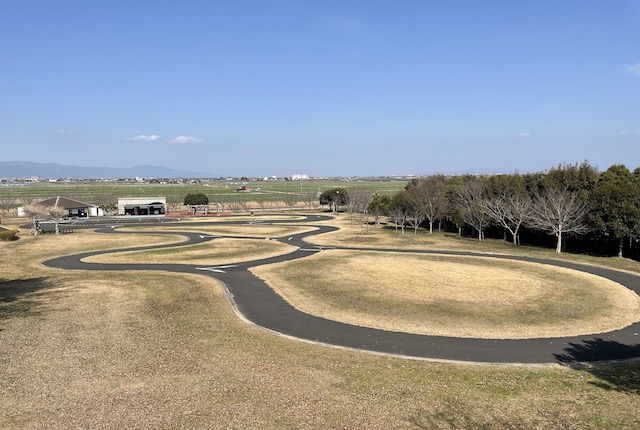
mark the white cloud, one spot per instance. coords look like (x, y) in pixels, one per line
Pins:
(183, 140)
(633, 69)
(145, 138)
(65, 131)
(525, 134)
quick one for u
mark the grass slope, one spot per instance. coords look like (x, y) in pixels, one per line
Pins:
(153, 350)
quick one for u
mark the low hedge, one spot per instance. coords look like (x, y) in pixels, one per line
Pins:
(8, 234)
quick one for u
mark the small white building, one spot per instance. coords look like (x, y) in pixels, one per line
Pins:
(75, 208)
(142, 206)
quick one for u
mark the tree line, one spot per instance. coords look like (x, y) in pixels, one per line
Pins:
(599, 212)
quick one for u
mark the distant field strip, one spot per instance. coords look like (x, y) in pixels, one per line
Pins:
(218, 191)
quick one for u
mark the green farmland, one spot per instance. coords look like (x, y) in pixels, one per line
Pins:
(218, 191)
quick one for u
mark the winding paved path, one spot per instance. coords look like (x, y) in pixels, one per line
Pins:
(262, 306)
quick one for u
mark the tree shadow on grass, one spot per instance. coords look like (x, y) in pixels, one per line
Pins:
(22, 297)
(457, 414)
(623, 377)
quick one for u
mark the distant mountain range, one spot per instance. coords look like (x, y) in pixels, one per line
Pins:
(27, 169)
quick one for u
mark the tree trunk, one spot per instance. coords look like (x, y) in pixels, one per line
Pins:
(620, 247)
(430, 227)
(559, 243)
(459, 231)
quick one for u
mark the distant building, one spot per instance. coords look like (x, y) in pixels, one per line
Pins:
(75, 208)
(142, 206)
(299, 177)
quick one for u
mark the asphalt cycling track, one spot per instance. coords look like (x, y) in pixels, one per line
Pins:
(256, 302)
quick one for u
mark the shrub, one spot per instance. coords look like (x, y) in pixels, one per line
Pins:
(196, 199)
(8, 235)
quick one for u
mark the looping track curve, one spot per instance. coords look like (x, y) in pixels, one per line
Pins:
(262, 306)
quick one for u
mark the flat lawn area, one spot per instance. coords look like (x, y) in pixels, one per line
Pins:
(351, 233)
(254, 230)
(153, 350)
(217, 251)
(452, 296)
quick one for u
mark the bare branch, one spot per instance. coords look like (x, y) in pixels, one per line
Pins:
(469, 200)
(509, 210)
(558, 211)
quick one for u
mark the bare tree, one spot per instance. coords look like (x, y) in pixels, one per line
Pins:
(174, 202)
(243, 203)
(359, 199)
(234, 205)
(415, 207)
(429, 195)
(55, 214)
(508, 210)
(105, 200)
(263, 204)
(469, 199)
(6, 203)
(291, 199)
(34, 211)
(27, 200)
(224, 201)
(558, 211)
(358, 206)
(310, 200)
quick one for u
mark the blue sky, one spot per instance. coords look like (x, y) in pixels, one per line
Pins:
(275, 87)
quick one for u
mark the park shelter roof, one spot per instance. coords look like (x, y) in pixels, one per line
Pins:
(64, 203)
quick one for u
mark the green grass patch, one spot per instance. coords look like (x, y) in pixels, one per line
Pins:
(218, 191)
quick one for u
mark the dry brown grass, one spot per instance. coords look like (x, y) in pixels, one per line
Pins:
(453, 296)
(245, 217)
(49, 245)
(155, 350)
(351, 233)
(218, 251)
(254, 230)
